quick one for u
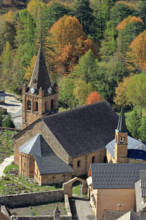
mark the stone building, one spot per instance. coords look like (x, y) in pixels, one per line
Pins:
(40, 98)
(53, 148)
(78, 137)
(112, 187)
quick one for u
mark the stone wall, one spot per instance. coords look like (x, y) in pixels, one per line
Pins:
(31, 131)
(29, 199)
(62, 217)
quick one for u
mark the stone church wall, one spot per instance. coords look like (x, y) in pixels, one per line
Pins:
(81, 164)
(31, 131)
(29, 199)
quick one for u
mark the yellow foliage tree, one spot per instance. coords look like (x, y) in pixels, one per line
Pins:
(34, 7)
(8, 16)
(69, 43)
(82, 90)
(29, 69)
(129, 19)
(121, 97)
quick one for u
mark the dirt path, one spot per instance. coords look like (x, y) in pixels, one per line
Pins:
(4, 164)
(14, 108)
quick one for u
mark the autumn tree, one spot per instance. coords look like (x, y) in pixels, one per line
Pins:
(93, 98)
(50, 13)
(120, 92)
(129, 28)
(34, 6)
(136, 59)
(81, 91)
(29, 69)
(120, 11)
(136, 88)
(70, 43)
(128, 20)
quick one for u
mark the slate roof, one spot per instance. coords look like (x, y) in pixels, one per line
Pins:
(115, 176)
(47, 161)
(121, 123)
(84, 130)
(136, 149)
(40, 77)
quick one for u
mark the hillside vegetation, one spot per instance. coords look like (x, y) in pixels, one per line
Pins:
(95, 50)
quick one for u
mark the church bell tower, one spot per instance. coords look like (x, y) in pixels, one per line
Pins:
(39, 98)
(121, 136)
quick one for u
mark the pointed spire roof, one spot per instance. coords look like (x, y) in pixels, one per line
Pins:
(121, 123)
(40, 77)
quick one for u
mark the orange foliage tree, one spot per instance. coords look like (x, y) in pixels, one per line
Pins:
(93, 98)
(129, 19)
(69, 43)
(136, 56)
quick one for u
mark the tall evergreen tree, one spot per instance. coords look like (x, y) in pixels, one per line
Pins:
(82, 11)
(143, 130)
(6, 61)
(134, 125)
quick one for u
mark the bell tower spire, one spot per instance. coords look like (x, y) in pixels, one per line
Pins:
(121, 139)
(40, 98)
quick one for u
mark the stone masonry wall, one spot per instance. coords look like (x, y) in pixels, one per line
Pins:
(34, 129)
(29, 199)
(63, 217)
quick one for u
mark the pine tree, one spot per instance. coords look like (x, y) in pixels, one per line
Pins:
(83, 12)
(143, 130)
(134, 124)
(8, 123)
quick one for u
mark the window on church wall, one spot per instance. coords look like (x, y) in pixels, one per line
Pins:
(46, 106)
(52, 105)
(122, 140)
(36, 106)
(28, 105)
(78, 163)
(93, 159)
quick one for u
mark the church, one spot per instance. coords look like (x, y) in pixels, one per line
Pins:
(54, 147)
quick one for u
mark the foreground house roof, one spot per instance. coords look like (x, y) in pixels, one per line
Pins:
(115, 176)
(136, 149)
(47, 161)
(84, 130)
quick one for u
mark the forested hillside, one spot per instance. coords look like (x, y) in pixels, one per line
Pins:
(95, 50)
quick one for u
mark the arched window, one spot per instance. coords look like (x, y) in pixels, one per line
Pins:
(93, 159)
(78, 163)
(36, 106)
(28, 105)
(46, 106)
(52, 105)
